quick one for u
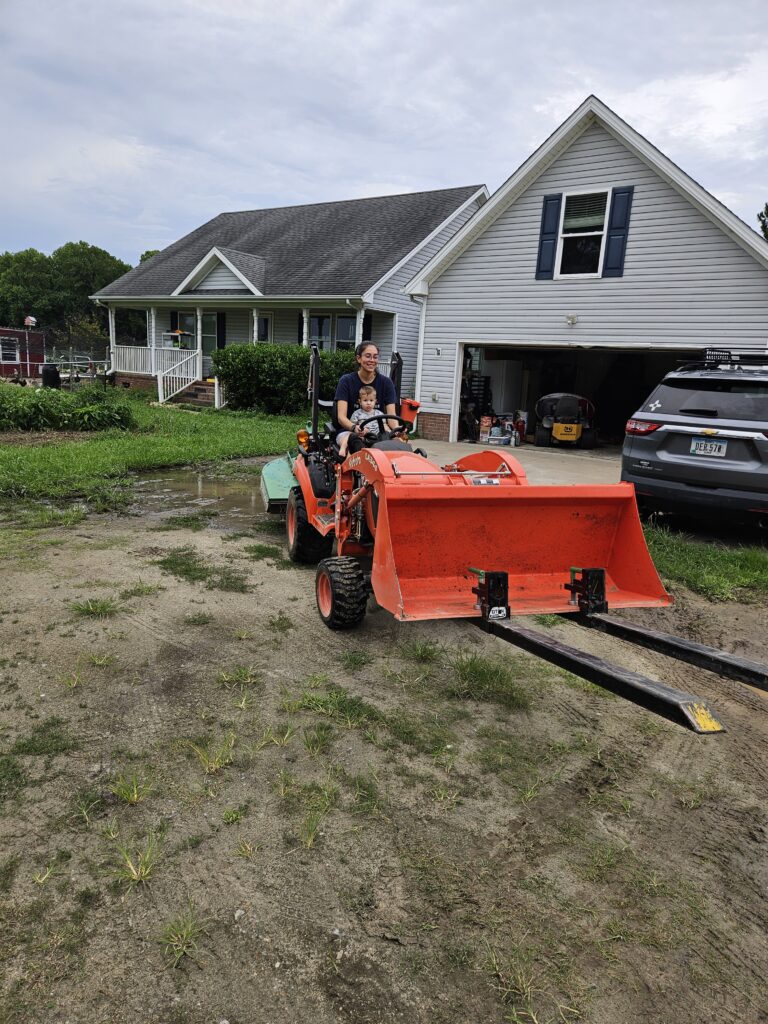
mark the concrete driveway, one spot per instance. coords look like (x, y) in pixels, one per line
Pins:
(542, 465)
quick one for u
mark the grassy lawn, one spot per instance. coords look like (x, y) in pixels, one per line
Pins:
(717, 571)
(165, 437)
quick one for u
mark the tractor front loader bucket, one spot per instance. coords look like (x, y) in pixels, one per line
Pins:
(435, 527)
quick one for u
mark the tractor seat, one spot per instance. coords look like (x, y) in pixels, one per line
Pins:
(567, 409)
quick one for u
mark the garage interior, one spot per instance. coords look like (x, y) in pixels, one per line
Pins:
(502, 380)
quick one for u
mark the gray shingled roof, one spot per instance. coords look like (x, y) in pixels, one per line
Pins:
(338, 248)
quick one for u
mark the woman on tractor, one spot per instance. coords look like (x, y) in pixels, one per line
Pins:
(347, 395)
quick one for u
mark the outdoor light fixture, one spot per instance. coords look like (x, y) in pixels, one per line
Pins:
(571, 319)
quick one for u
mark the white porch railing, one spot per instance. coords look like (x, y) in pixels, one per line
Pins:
(167, 359)
(219, 398)
(177, 377)
(132, 359)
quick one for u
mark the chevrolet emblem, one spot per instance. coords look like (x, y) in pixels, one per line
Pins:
(710, 433)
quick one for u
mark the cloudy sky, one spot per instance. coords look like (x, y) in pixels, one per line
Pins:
(127, 123)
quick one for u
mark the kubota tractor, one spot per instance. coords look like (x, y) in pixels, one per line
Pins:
(431, 541)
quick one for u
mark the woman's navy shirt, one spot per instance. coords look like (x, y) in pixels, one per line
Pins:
(348, 390)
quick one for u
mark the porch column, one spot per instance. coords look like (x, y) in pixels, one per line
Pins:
(359, 326)
(305, 330)
(255, 324)
(199, 340)
(112, 337)
(152, 339)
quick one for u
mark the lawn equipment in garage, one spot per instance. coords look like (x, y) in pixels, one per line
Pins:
(567, 420)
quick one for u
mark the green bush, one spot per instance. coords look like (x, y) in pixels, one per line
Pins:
(273, 378)
(90, 408)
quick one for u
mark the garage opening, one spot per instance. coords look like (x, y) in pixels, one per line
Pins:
(505, 381)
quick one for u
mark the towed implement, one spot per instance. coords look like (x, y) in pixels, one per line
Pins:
(471, 539)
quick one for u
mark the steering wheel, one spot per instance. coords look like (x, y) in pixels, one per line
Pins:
(382, 418)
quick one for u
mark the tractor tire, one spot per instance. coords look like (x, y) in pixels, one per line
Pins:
(305, 544)
(543, 437)
(341, 592)
(588, 439)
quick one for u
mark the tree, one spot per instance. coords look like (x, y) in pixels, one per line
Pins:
(148, 255)
(79, 270)
(763, 218)
(26, 288)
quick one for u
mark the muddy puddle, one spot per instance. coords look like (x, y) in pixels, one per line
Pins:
(234, 502)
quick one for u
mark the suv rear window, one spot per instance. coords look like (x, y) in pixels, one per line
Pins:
(728, 399)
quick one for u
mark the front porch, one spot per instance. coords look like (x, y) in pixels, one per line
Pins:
(179, 346)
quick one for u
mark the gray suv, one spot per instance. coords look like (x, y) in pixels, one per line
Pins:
(699, 443)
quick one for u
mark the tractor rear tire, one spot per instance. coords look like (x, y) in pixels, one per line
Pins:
(305, 544)
(341, 592)
(588, 439)
(543, 437)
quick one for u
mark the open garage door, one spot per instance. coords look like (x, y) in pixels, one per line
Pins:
(506, 380)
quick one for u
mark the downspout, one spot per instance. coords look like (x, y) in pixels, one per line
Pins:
(422, 301)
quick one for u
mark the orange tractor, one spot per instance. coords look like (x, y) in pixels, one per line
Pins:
(464, 540)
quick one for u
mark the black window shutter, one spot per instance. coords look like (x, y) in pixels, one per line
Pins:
(174, 320)
(550, 222)
(221, 330)
(618, 229)
(300, 338)
(367, 326)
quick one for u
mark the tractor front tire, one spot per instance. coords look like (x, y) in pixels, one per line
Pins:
(305, 544)
(542, 437)
(341, 592)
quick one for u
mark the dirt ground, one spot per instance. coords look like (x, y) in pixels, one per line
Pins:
(329, 827)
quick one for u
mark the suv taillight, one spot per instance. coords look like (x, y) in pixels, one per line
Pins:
(641, 427)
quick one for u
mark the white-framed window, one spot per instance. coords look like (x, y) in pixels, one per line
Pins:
(9, 350)
(345, 331)
(581, 236)
(188, 324)
(320, 330)
(264, 327)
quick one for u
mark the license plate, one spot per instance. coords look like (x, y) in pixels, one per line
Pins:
(703, 446)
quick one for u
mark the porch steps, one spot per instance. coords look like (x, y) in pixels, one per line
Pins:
(199, 395)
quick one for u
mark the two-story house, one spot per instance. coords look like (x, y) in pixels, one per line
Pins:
(593, 269)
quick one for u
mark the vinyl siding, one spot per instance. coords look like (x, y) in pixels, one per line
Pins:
(685, 283)
(390, 297)
(221, 277)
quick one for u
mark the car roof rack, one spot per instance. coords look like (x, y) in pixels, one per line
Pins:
(714, 358)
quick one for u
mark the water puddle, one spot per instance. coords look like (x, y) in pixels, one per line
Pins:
(236, 501)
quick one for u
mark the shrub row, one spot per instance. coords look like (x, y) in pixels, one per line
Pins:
(273, 378)
(89, 408)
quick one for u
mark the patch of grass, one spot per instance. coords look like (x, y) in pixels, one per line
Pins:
(715, 570)
(186, 564)
(131, 788)
(164, 437)
(477, 677)
(101, 660)
(340, 706)
(188, 521)
(546, 620)
(424, 652)
(136, 866)
(318, 739)
(428, 735)
(258, 552)
(239, 677)
(214, 755)
(87, 804)
(311, 828)
(366, 799)
(96, 608)
(47, 738)
(179, 938)
(12, 777)
(354, 660)
(280, 623)
(234, 814)
(8, 871)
